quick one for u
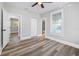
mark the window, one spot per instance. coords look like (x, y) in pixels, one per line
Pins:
(57, 22)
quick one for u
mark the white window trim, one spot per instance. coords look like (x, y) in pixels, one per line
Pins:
(59, 34)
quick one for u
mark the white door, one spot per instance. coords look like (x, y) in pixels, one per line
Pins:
(6, 28)
(33, 27)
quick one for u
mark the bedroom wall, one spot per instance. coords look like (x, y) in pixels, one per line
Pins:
(71, 23)
(26, 16)
(71, 17)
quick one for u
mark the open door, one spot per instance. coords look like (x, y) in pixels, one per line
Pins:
(5, 28)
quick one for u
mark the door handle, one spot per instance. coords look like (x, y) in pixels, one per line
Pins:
(4, 30)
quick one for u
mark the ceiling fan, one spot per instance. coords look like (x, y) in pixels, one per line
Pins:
(40, 3)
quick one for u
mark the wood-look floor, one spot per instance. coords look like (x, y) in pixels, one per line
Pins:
(35, 47)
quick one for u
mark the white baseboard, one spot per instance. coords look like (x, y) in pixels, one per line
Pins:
(64, 42)
(24, 38)
(61, 41)
(39, 35)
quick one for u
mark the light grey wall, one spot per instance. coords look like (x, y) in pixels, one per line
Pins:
(71, 23)
(26, 26)
(39, 26)
(71, 17)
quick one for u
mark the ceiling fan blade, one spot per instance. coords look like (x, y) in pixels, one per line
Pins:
(42, 5)
(34, 4)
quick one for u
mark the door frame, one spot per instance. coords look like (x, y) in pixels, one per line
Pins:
(1, 43)
(1, 28)
(20, 26)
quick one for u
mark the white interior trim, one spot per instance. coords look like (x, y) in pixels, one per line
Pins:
(64, 42)
(24, 38)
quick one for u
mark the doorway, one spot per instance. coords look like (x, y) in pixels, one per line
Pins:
(14, 30)
(43, 26)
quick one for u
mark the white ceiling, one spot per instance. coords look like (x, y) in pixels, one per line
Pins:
(37, 8)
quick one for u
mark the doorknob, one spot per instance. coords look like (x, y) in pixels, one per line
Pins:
(4, 30)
